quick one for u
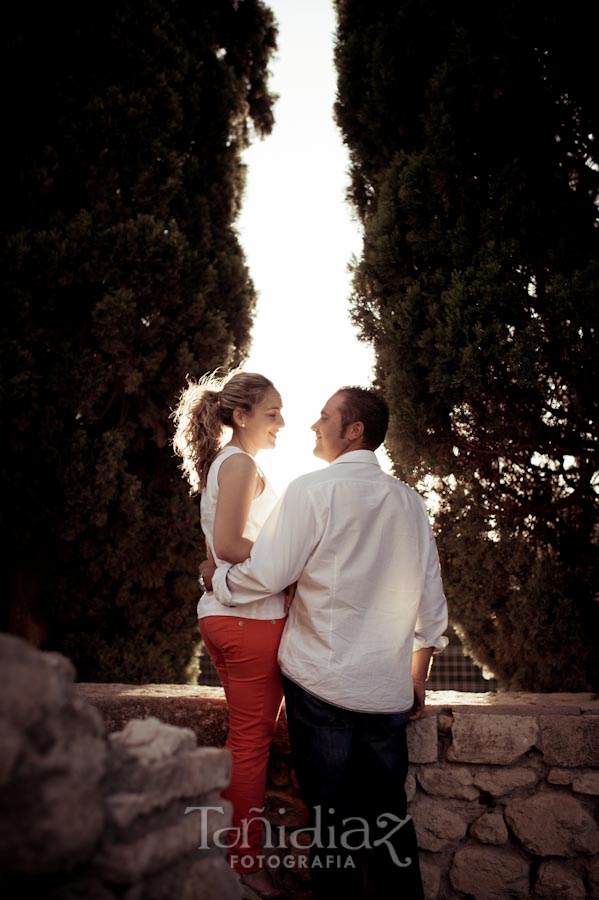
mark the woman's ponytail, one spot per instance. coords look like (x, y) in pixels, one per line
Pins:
(199, 430)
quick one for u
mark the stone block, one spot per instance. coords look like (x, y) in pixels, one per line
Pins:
(124, 861)
(499, 781)
(485, 873)
(448, 781)
(555, 879)
(592, 873)
(53, 760)
(12, 742)
(436, 826)
(201, 708)
(207, 877)
(560, 776)
(431, 879)
(411, 785)
(490, 828)
(583, 781)
(153, 763)
(149, 741)
(553, 823)
(423, 740)
(490, 738)
(32, 682)
(518, 703)
(570, 741)
(189, 775)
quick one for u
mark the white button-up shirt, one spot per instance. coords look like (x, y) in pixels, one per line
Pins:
(360, 546)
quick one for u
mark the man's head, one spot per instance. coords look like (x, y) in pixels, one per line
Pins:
(354, 418)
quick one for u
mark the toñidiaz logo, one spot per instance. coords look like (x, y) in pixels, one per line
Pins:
(353, 836)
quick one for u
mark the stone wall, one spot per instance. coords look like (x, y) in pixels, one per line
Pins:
(86, 815)
(504, 788)
(96, 783)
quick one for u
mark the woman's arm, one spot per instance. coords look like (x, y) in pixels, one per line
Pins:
(236, 489)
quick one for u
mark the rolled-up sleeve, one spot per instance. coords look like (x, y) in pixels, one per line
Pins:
(432, 620)
(278, 556)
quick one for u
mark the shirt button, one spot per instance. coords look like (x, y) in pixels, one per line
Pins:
(240, 623)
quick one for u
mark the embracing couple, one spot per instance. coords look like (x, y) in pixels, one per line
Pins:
(354, 549)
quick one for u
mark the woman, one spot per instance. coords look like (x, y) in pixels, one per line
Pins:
(236, 500)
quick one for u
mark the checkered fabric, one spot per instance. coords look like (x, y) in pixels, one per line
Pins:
(453, 670)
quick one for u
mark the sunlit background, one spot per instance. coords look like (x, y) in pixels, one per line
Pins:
(299, 236)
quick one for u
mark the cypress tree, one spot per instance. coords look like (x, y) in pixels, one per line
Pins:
(472, 130)
(123, 274)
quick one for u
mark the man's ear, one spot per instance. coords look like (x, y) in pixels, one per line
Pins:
(355, 431)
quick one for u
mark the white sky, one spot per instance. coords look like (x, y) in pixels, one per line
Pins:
(299, 234)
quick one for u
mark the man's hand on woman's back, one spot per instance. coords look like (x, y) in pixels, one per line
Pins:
(207, 570)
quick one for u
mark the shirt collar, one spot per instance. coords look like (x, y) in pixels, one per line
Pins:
(358, 456)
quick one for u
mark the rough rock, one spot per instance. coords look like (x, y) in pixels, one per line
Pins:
(206, 877)
(490, 828)
(491, 738)
(133, 855)
(555, 879)
(592, 871)
(436, 826)
(583, 781)
(570, 740)
(482, 873)
(423, 740)
(431, 879)
(410, 785)
(553, 823)
(201, 708)
(497, 781)
(153, 763)
(448, 781)
(52, 758)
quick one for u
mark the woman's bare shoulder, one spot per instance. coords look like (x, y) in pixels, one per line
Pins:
(238, 466)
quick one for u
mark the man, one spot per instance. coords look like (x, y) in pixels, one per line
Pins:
(368, 613)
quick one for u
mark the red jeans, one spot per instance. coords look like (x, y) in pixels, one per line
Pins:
(244, 652)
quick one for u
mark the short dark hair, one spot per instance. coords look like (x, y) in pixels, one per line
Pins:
(366, 405)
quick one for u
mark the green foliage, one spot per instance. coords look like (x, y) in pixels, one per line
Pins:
(472, 131)
(123, 274)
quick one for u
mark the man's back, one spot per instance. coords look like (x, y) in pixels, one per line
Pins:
(372, 573)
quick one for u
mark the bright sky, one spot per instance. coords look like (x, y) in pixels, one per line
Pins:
(299, 235)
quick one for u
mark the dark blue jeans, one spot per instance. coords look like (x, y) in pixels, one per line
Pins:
(351, 768)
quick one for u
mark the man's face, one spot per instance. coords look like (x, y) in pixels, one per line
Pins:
(330, 442)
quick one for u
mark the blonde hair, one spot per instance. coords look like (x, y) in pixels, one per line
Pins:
(205, 408)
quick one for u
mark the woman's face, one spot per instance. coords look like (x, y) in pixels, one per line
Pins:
(262, 424)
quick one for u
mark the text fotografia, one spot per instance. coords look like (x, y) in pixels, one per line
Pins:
(355, 835)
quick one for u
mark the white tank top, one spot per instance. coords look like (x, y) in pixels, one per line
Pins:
(260, 509)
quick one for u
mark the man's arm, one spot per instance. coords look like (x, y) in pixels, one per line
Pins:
(278, 556)
(431, 621)
(430, 625)
(421, 662)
